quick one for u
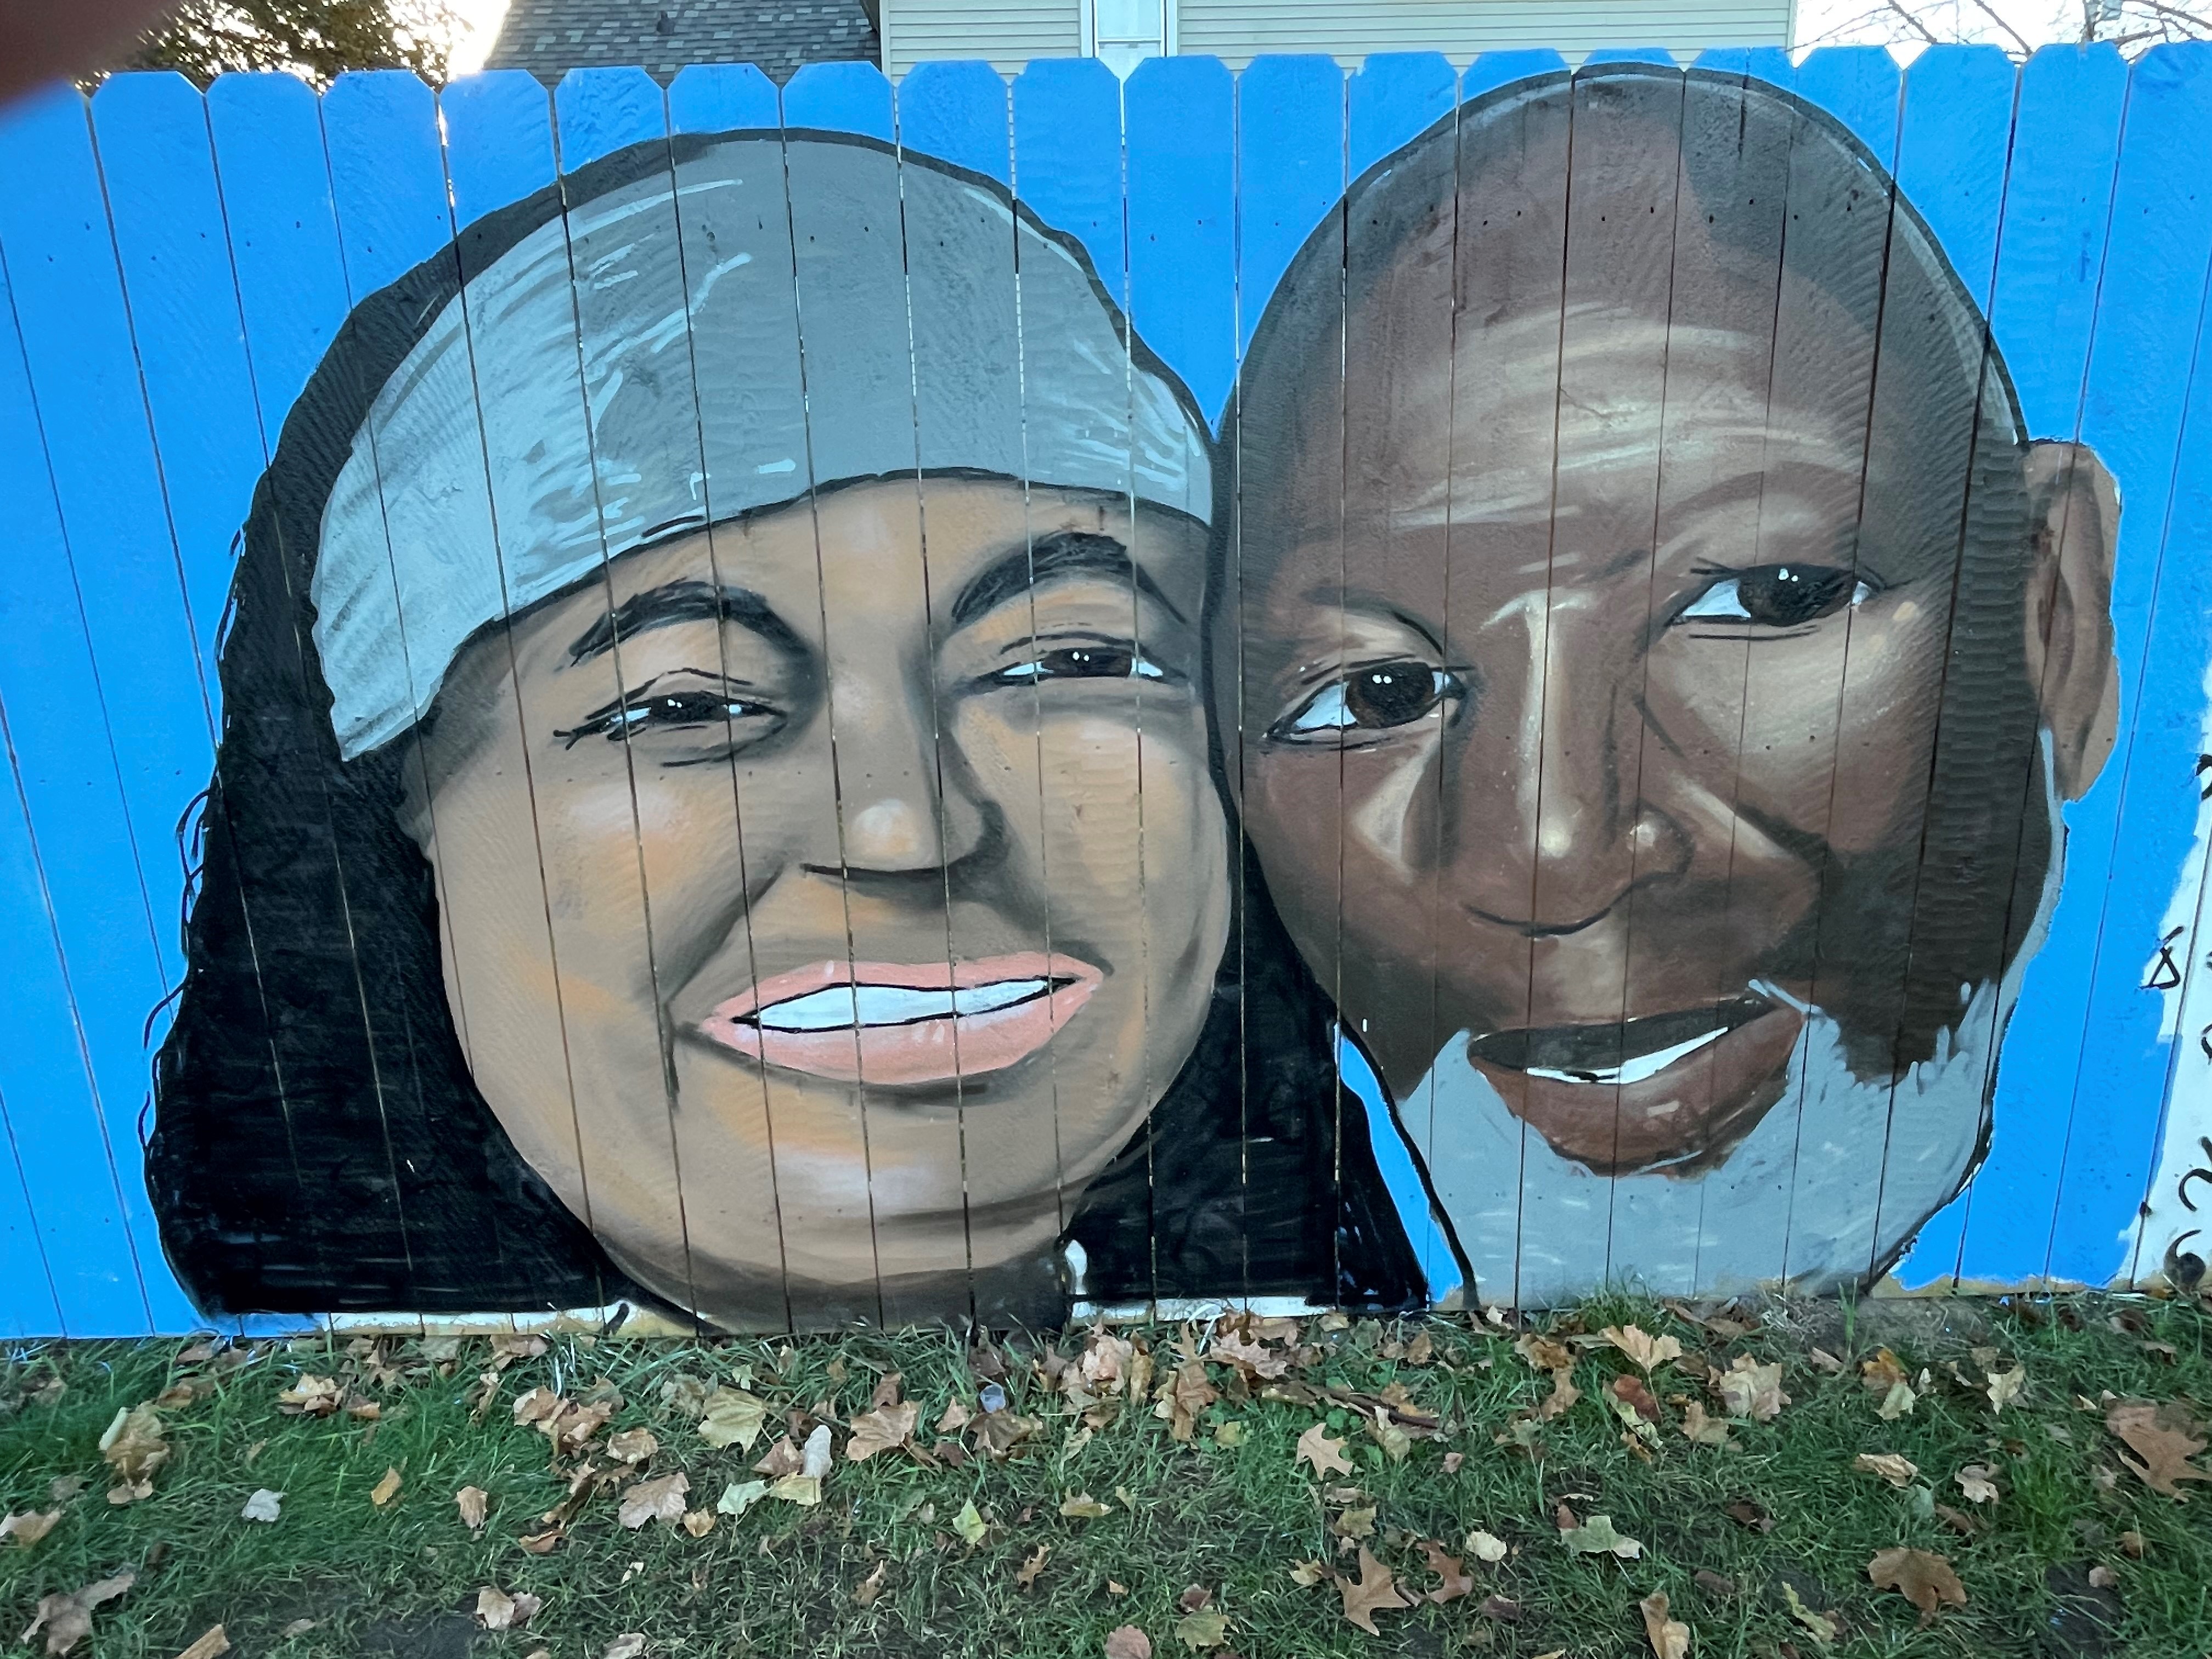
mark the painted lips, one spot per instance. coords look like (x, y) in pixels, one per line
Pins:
(894, 1023)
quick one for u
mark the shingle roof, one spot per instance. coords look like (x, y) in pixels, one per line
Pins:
(549, 38)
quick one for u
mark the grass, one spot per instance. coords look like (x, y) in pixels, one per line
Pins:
(340, 1574)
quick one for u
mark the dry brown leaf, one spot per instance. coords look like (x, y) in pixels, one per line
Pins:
(1485, 1547)
(136, 1448)
(1898, 1402)
(1354, 1523)
(64, 1487)
(627, 1645)
(784, 1457)
(1182, 1396)
(1563, 1395)
(1422, 1349)
(29, 1526)
(1395, 1441)
(212, 1643)
(658, 1499)
(1670, 1636)
(698, 1522)
(632, 1445)
(1822, 1627)
(1898, 1471)
(1028, 1572)
(1746, 1513)
(1195, 1598)
(474, 1505)
(1200, 1630)
(1327, 1455)
(866, 1592)
(1127, 1642)
(2165, 1451)
(1748, 1389)
(543, 1543)
(538, 1406)
(1083, 1506)
(66, 1617)
(1307, 1574)
(884, 1429)
(1974, 1480)
(956, 1416)
(1923, 1579)
(1701, 1430)
(1369, 1594)
(1629, 1389)
(497, 1610)
(1451, 1569)
(2004, 1387)
(385, 1490)
(1882, 1372)
(312, 1396)
(1646, 1351)
(1543, 1354)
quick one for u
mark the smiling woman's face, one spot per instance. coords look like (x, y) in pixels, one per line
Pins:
(828, 896)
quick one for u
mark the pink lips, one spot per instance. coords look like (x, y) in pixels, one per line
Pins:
(893, 1023)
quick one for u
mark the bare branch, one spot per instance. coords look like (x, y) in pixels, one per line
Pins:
(1917, 27)
(1994, 16)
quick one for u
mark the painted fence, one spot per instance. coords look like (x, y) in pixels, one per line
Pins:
(1605, 681)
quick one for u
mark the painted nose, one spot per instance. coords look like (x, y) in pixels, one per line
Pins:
(1549, 820)
(906, 808)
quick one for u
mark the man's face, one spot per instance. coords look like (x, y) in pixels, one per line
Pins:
(1561, 743)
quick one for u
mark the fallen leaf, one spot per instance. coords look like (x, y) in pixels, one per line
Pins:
(1200, 1631)
(1182, 1396)
(2004, 1387)
(886, 1429)
(1484, 1547)
(474, 1504)
(804, 1489)
(312, 1396)
(1327, 1455)
(1229, 1434)
(1543, 1354)
(783, 1457)
(1882, 1372)
(28, 1528)
(1974, 1481)
(1714, 1583)
(955, 1418)
(1195, 1598)
(1369, 1594)
(1355, 1523)
(627, 1646)
(66, 1618)
(1646, 1351)
(658, 1499)
(1127, 1642)
(543, 1543)
(1898, 1471)
(1504, 1609)
(1824, 1361)
(1701, 1430)
(1748, 1389)
(733, 1417)
(969, 1524)
(815, 1457)
(1307, 1574)
(214, 1642)
(1596, 1536)
(1027, 1573)
(1923, 1579)
(1744, 1512)
(2132, 1542)
(497, 1610)
(540, 1406)
(739, 1496)
(1083, 1507)
(136, 1448)
(1563, 1395)
(1820, 1626)
(866, 1592)
(64, 1487)
(385, 1490)
(262, 1506)
(1631, 1392)
(1670, 1636)
(1898, 1402)
(1448, 1568)
(632, 1445)
(1452, 1461)
(2164, 1452)
(1395, 1441)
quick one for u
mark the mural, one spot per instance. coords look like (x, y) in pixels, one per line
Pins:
(991, 702)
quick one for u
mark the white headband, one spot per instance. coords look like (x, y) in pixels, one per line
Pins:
(635, 369)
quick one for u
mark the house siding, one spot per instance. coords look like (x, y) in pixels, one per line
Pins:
(1005, 34)
(1237, 31)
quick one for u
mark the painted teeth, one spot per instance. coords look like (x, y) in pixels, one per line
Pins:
(837, 1006)
(1635, 1070)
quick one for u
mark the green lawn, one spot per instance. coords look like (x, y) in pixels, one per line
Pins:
(1761, 1545)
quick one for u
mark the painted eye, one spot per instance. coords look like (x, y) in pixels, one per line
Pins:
(642, 715)
(1778, 596)
(1083, 662)
(1377, 699)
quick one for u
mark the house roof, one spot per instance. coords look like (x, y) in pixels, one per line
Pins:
(549, 38)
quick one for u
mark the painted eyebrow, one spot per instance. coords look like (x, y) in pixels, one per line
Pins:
(675, 603)
(1063, 553)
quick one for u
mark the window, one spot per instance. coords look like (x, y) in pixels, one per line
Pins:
(1124, 33)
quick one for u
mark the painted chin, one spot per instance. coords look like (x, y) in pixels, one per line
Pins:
(1675, 1089)
(905, 1024)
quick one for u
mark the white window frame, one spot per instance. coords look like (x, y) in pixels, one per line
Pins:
(1169, 23)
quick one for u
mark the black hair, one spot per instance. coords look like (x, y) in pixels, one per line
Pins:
(1954, 910)
(319, 1145)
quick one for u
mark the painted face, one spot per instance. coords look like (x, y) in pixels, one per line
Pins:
(860, 861)
(1590, 732)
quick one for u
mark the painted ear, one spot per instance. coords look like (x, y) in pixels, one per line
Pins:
(2077, 515)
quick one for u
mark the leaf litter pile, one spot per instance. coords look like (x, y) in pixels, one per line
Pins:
(1786, 1480)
